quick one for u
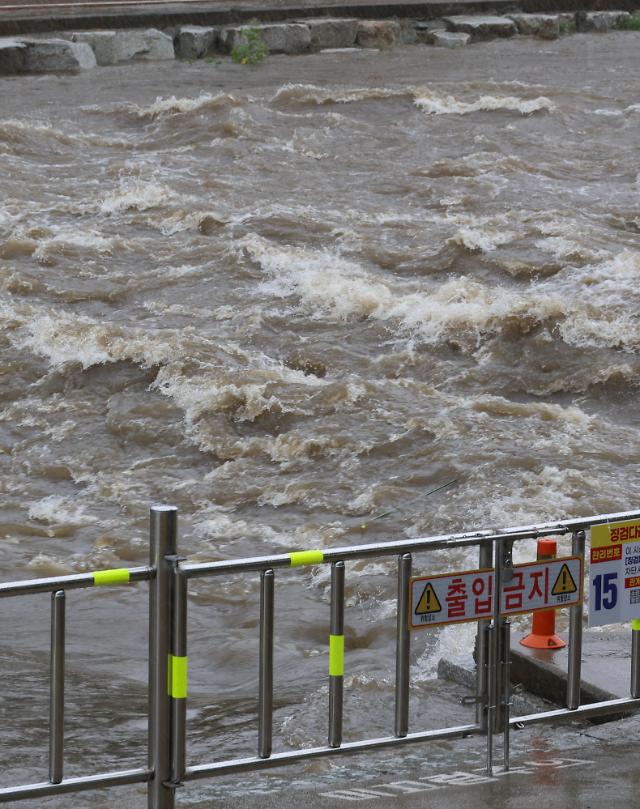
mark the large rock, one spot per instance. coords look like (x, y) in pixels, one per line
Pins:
(53, 55)
(448, 39)
(545, 26)
(279, 38)
(113, 47)
(600, 21)
(379, 34)
(480, 28)
(13, 56)
(424, 29)
(194, 41)
(327, 32)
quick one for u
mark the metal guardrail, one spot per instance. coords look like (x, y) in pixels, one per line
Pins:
(168, 575)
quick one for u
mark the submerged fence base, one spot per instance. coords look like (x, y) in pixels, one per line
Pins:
(168, 575)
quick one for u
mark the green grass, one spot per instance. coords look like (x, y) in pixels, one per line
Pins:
(631, 23)
(251, 52)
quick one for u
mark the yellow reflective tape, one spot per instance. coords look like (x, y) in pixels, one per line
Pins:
(118, 575)
(635, 624)
(177, 675)
(306, 558)
(336, 655)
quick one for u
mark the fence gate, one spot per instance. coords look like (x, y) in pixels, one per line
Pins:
(168, 575)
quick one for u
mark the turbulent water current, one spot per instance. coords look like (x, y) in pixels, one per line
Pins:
(294, 301)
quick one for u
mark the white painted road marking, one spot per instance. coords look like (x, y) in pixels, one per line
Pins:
(459, 778)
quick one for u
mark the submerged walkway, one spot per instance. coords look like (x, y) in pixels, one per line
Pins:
(579, 767)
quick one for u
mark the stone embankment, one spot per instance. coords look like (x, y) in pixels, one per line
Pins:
(84, 50)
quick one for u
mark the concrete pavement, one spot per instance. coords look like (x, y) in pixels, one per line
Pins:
(578, 767)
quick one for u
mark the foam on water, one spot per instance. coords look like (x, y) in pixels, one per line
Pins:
(327, 284)
(69, 338)
(164, 107)
(69, 240)
(57, 509)
(305, 94)
(23, 133)
(431, 101)
(135, 194)
(437, 104)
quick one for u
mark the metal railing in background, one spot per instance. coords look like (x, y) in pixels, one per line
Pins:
(168, 575)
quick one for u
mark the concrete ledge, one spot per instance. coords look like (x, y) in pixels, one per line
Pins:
(217, 13)
(542, 673)
(523, 702)
(606, 667)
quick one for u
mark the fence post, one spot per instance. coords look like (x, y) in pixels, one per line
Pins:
(163, 535)
(494, 652)
(178, 675)
(575, 634)
(403, 647)
(265, 674)
(56, 703)
(485, 561)
(336, 655)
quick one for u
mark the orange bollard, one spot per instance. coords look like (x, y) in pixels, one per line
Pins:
(543, 630)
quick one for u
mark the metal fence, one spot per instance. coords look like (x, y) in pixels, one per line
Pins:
(168, 574)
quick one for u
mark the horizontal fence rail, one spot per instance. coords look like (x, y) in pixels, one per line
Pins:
(168, 575)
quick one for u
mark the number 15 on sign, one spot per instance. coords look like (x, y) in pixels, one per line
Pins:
(615, 573)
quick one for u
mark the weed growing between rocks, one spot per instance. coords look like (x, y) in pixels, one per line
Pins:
(631, 23)
(251, 52)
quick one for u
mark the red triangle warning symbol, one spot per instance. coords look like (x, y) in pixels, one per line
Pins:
(428, 601)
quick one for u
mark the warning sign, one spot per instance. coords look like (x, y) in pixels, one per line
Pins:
(428, 601)
(451, 598)
(564, 582)
(468, 596)
(615, 573)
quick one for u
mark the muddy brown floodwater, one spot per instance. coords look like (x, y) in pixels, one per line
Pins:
(294, 300)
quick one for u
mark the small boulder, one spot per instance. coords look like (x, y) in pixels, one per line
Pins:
(380, 34)
(424, 29)
(156, 45)
(194, 41)
(13, 56)
(328, 32)
(448, 39)
(482, 28)
(53, 55)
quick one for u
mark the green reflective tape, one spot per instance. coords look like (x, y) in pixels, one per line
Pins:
(177, 673)
(306, 558)
(635, 624)
(336, 655)
(119, 575)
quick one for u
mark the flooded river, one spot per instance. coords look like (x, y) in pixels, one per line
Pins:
(294, 301)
